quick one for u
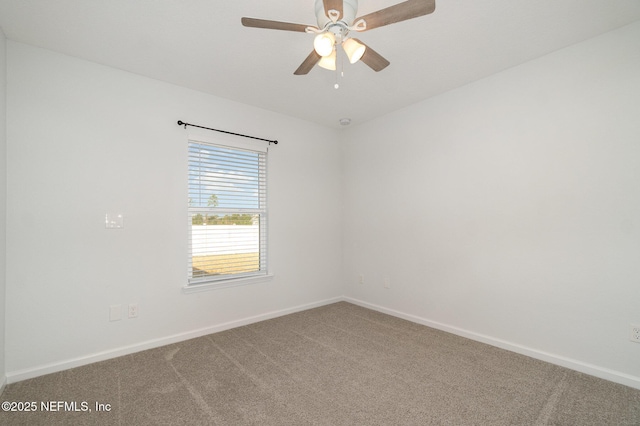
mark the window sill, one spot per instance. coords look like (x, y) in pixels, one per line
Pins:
(197, 288)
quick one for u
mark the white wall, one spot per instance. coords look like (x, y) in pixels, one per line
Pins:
(509, 210)
(3, 199)
(84, 140)
(514, 203)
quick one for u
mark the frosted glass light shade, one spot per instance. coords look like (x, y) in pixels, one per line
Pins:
(328, 62)
(323, 43)
(354, 50)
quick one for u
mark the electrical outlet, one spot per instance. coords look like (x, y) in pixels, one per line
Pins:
(361, 279)
(387, 282)
(133, 310)
(635, 333)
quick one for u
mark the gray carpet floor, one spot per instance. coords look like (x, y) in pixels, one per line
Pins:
(339, 364)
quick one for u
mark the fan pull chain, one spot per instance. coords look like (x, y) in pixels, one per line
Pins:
(339, 69)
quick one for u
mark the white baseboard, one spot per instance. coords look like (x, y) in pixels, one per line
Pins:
(590, 369)
(593, 370)
(30, 373)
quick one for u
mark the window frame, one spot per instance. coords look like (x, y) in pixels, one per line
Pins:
(264, 274)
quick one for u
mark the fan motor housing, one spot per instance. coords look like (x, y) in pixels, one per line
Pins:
(349, 10)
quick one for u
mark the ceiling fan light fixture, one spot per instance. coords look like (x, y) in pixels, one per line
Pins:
(354, 50)
(324, 42)
(336, 18)
(328, 62)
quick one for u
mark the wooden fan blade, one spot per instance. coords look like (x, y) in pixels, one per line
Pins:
(308, 63)
(333, 4)
(400, 12)
(373, 59)
(273, 25)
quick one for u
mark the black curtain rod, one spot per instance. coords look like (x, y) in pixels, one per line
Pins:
(182, 123)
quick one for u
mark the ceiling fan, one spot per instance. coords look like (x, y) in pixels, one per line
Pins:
(336, 19)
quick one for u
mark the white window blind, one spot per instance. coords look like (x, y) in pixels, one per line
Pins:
(227, 212)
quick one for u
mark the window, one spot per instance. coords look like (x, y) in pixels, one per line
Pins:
(227, 214)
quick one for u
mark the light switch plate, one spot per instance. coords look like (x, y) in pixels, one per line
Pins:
(115, 313)
(114, 221)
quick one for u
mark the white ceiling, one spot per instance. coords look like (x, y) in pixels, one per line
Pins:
(200, 44)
